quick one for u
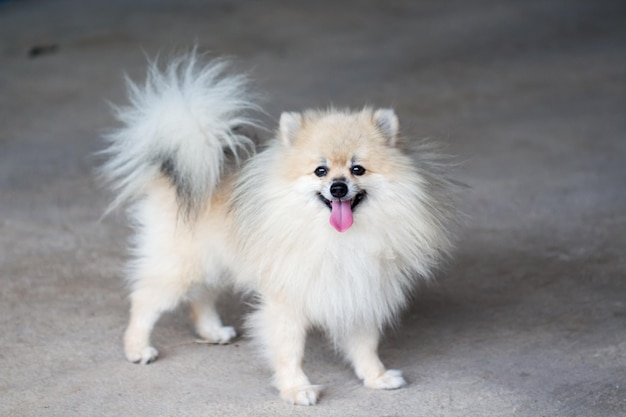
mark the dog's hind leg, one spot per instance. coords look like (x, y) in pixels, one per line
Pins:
(361, 348)
(206, 318)
(167, 264)
(159, 284)
(147, 304)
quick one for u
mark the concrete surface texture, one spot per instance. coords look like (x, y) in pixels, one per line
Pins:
(529, 319)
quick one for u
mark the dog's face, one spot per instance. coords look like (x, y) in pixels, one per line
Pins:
(339, 158)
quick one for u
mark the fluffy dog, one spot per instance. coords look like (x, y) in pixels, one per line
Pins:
(331, 225)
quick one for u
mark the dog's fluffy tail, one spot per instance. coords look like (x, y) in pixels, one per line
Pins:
(181, 123)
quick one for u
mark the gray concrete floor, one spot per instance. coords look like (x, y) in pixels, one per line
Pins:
(530, 318)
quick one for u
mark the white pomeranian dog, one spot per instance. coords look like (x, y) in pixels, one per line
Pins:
(331, 225)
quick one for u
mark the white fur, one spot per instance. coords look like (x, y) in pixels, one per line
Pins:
(265, 229)
(187, 113)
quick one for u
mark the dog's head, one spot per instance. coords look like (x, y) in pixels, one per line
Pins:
(338, 157)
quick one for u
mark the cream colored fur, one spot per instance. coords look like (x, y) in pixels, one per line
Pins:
(266, 229)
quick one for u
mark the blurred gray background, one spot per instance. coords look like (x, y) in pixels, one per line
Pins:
(529, 319)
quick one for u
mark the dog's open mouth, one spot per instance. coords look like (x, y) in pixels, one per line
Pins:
(341, 210)
(354, 202)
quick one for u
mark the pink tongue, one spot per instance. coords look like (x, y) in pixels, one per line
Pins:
(341, 215)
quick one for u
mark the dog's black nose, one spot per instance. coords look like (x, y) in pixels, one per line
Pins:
(338, 189)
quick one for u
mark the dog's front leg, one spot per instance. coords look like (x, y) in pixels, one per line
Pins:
(361, 348)
(281, 330)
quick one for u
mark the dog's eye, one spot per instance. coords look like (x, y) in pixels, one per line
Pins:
(321, 171)
(357, 170)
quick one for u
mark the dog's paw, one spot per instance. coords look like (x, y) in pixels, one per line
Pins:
(390, 379)
(217, 335)
(306, 395)
(142, 356)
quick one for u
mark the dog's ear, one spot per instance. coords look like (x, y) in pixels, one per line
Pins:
(387, 123)
(290, 123)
